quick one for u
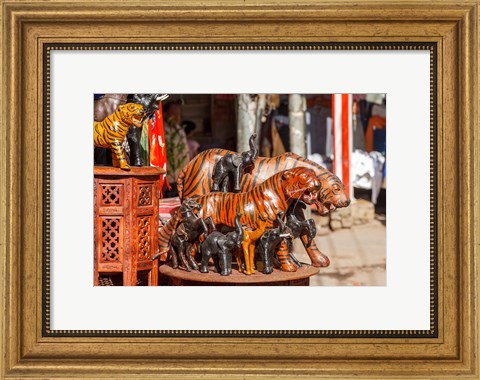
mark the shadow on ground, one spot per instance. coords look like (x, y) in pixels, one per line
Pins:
(357, 256)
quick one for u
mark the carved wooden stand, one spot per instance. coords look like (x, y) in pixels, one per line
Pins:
(126, 222)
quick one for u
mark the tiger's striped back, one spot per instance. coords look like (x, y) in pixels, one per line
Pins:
(196, 178)
(252, 205)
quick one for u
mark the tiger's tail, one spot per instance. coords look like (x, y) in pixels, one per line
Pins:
(283, 255)
(165, 235)
(180, 183)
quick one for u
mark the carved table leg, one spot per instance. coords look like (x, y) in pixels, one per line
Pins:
(153, 275)
(129, 275)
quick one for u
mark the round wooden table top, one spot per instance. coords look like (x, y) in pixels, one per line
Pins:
(236, 277)
(134, 171)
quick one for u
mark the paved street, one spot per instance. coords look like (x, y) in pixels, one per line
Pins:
(357, 255)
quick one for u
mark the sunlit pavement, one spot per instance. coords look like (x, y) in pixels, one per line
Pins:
(357, 256)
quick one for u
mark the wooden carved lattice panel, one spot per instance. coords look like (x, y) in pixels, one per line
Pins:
(145, 195)
(144, 229)
(111, 195)
(110, 240)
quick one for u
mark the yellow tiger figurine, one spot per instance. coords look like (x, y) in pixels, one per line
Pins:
(110, 132)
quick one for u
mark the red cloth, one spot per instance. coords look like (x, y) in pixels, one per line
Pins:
(374, 122)
(156, 138)
(168, 207)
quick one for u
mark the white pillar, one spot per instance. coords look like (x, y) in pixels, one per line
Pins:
(246, 117)
(261, 103)
(296, 117)
(337, 135)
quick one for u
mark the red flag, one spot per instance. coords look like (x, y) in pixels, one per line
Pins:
(156, 138)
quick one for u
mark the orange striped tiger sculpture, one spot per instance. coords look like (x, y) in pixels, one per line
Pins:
(111, 132)
(263, 202)
(196, 179)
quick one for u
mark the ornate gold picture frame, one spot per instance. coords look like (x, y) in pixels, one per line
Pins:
(30, 349)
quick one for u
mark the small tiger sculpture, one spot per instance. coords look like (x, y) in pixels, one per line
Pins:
(111, 132)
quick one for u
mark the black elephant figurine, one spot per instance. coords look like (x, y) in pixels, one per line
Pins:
(232, 166)
(299, 225)
(187, 233)
(220, 247)
(150, 103)
(270, 240)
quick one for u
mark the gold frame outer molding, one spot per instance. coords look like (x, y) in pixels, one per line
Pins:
(29, 26)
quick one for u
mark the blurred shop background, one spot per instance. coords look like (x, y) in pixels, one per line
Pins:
(346, 133)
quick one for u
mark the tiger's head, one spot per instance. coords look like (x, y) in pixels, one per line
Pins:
(332, 194)
(301, 184)
(132, 114)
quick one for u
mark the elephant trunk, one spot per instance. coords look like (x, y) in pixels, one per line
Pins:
(253, 146)
(239, 229)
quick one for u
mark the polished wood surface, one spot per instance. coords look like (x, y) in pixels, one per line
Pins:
(134, 171)
(126, 222)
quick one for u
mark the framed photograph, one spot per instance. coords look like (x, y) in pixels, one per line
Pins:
(394, 299)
